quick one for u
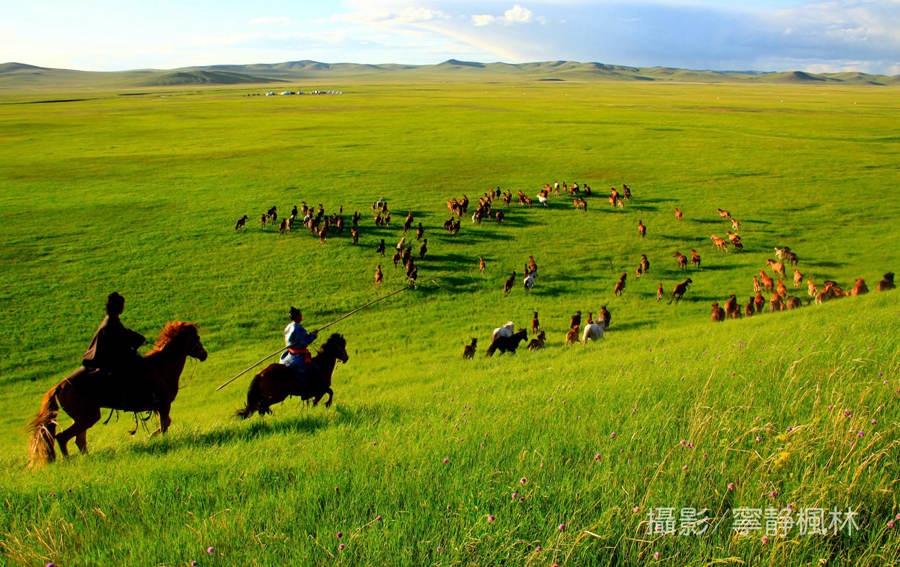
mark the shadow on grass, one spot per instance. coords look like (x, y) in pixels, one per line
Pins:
(307, 423)
(509, 219)
(613, 327)
(452, 284)
(715, 268)
(826, 264)
(474, 235)
(691, 298)
(449, 261)
(640, 207)
(680, 238)
(550, 290)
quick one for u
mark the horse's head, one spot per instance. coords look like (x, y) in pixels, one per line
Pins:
(179, 334)
(336, 346)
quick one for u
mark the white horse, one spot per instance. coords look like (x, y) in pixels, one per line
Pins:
(529, 281)
(506, 330)
(593, 331)
(541, 199)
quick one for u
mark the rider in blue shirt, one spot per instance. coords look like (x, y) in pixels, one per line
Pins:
(296, 339)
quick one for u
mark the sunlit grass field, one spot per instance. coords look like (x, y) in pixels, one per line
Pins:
(553, 457)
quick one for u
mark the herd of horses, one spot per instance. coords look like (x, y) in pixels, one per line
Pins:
(506, 339)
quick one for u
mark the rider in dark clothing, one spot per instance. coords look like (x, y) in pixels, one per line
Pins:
(113, 347)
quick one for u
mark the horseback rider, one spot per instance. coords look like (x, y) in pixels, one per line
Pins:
(296, 339)
(113, 347)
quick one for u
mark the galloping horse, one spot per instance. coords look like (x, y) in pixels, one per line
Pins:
(150, 386)
(276, 382)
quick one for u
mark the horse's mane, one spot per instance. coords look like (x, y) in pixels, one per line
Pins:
(170, 332)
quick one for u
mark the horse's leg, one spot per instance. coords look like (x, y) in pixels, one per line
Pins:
(69, 401)
(81, 435)
(63, 438)
(330, 395)
(164, 420)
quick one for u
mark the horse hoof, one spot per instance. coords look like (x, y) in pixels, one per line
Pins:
(327, 404)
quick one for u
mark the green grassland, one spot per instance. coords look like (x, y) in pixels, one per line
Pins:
(417, 461)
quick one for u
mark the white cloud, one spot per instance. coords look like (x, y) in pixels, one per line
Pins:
(406, 16)
(517, 15)
(483, 19)
(271, 20)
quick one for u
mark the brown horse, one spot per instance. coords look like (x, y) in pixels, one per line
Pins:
(276, 382)
(150, 386)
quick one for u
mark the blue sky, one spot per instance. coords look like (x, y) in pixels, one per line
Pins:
(765, 35)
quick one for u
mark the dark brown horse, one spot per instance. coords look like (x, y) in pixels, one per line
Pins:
(276, 382)
(150, 386)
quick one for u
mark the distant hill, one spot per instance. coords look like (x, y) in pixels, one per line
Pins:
(21, 75)
(203, 77)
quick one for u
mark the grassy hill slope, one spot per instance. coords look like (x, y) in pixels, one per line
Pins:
(140, 195)
(176, 78)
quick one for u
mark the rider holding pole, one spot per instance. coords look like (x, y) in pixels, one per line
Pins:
(296, 339)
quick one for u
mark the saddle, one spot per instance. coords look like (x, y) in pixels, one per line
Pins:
(117, 389)
(301, 377)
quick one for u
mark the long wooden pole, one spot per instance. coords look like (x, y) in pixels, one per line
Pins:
(325, 326)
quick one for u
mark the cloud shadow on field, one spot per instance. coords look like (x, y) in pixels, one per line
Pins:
(447, 261)
(824, 264)
(550, 290)
(641, 207)
(474, 235)
(398, 216)
(675, 238)
(513, 220)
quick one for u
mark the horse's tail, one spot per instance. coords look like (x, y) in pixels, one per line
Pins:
(43, 430)
(254, 396)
